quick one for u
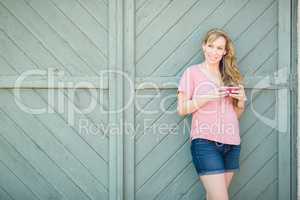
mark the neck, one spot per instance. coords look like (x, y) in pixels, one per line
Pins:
(213, 67)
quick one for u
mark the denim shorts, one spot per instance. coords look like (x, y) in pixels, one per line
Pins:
(210, 157)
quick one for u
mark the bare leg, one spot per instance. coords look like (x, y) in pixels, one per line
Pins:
(215, 186)
(228, 178)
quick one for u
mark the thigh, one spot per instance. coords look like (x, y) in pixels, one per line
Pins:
(232, 158)
(206, 157)
(215, 186)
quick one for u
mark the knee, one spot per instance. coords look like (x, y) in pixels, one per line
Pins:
(217, 195)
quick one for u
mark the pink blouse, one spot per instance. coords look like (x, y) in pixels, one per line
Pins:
(216, 120)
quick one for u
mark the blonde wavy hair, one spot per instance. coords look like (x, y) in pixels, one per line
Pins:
(228, 65)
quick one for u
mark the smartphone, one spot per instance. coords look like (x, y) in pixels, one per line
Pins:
(231, 89)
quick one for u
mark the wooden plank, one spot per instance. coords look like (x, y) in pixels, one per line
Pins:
(4, 195)
(58, 146)
(98, 9)
(255, 33)
(24, 48)
(37, 183)
(15, 57)
(258, 82)
(262, 104)
(14, 186)
(194, 192)
(85, 23)
(60, 82)
(73, 139)
(148, 12)
(84, 50)
(39, 159)
(146, 118)
(5, 69)
(116, 101)
(172, 53)
(252, 140)
(159, 152)
(262, 154)
(56, 42)
(129, 100)
(270, 191)
(180, 185)
(264, 177)
(283, 99)
(156, 183)
(294, 98)
(52, 80)
(172, 33)
(160, 26)
(250, 13)
(258, 55)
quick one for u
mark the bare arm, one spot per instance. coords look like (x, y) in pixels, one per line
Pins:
(186, 106)
(239, 109)
(241, 97)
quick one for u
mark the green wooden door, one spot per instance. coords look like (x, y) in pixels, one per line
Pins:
(48, 149)
(64, 134)
(167, 41)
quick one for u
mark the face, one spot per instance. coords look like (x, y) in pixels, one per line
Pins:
(214, 51)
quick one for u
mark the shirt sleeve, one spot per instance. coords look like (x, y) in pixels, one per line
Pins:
(186, 84)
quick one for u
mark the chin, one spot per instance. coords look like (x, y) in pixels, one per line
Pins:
(213, 61)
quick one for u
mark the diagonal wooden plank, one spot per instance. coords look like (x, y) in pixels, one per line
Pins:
(39, 159)
(268, 65)
(139, 4)
(6, 69)
(262, 155)
(146, 14)
(158, 156)
(25, 172)
(4, 194)
(195, 191)
(267, 40)
(180, 184)
(250, 13)
(13, 185)
(160, 26)
(259, 181)
(187, 47)
(147, 122)
(98, 10)
(42, 135)
(174, 165)
(270, 192)
(254, 34)
(74, 141)
(256, 102)
(141, 104)
(267, 112)
(165, 135)
(31, 44)
(32, 47)
(154, 108)
(85, 24)
(87, 53)
(151, 133)
(197, 15)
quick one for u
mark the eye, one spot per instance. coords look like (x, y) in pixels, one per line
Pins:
(210, 45)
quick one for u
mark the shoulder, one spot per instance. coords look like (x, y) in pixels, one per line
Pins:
(191, 70)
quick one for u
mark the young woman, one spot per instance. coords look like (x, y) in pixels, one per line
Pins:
(216, 108)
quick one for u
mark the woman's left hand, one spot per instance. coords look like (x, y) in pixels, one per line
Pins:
(240, 95)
